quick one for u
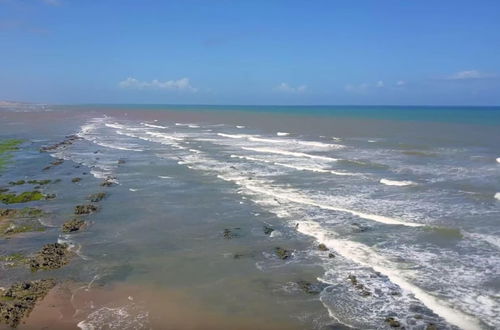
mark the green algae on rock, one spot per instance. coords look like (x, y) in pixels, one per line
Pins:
(14, 259)
(6, 147)
(19, 300)
(51, 256)
(24, 197)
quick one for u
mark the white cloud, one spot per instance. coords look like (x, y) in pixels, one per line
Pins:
(284, 87)
(469, 74)
(182, 84)
(380, 84)
(400, 83)
(357, 88)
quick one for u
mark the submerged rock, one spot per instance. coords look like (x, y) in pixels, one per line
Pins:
(51, 256)
(331, 255)
(121, 161)
(40, 182)
(17, 183)
(311, 288)
(393, 323)
(73, 225)
(282, 253)
(229, 234)
(85, 209)
(75, 180)
(19, 300)
(268, 230)
(106, 183)
(97, 197)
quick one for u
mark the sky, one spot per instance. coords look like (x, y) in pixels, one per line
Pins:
(332, 52)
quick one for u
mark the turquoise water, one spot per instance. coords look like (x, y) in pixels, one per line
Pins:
(407, 203)
(454, 114)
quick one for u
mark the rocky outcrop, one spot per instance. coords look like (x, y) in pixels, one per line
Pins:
(283, 254)
(73, 225)
(392, 322)
(85, 209)
(51, 256)
(311, 288)
(19, 300)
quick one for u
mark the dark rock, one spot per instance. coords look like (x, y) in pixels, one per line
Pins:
(51, 256)
(74, 180)
(322, 247)
(282, 253)
(106, 183)
(97, 197)
(431, 326)
(311, 288)
(393, 323)
(19, 300)
(353, 279)
(57, 162)
(268, 230)
(73, 225)
(229, 234)
(331, 255)
(121, 161)
(50, 196)
(85, 209)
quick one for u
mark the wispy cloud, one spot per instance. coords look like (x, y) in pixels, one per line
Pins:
(286, 88)
(400, 83)
(182, 84)
(470, 75)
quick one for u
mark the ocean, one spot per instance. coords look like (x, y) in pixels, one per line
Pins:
(269, 217)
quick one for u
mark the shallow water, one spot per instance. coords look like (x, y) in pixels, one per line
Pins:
(407, 207)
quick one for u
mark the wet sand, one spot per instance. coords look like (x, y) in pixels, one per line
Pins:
(75, 306)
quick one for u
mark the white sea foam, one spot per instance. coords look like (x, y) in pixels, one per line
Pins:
(290, 153)
(497, 195)
(164, 177)
(396, 183)
(292, 196)
(498, 160)
(282, 133)
(234, 136)
(193, 126)
(366, 256)
(114, 125)
(132, 189)
(164, 136)
(240, 126)
(154, 126)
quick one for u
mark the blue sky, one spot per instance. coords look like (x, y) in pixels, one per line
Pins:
(251, 52)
